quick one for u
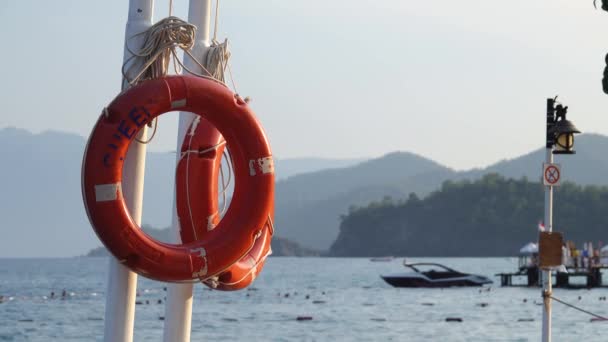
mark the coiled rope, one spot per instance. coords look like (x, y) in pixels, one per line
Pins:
(161, 43)
(152, 61)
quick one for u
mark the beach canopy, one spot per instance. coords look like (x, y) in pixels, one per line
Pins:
(529, 249)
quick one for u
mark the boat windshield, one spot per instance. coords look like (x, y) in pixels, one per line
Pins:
(429, 267)
(435, 271)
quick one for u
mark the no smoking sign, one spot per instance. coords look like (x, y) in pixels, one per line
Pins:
(552, 174)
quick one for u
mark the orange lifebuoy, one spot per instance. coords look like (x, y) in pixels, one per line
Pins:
(196, 180)
(253, 172)
(243, 272)
(197, 204)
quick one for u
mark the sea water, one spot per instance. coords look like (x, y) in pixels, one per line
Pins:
(346, 298)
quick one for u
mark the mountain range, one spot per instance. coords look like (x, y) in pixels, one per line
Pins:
(42, 212)
(41, 206)
(311, 204)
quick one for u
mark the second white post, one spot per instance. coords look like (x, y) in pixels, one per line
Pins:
(178, 308)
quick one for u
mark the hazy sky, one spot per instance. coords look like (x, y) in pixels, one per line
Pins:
(462, 82)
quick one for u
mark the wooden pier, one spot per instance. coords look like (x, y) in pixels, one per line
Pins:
(573, 279)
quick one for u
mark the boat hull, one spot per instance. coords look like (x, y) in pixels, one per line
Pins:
(421, 282)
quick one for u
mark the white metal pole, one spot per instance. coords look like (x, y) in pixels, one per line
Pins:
(122, 283)
(178, 308)
(546, 274)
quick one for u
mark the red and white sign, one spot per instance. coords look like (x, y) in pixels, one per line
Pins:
(551, 174)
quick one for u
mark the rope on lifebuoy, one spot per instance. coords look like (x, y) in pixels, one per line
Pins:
(214, 282)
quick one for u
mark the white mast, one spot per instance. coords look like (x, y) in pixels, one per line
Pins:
(546, 273)
(178, 308)
(122, 283)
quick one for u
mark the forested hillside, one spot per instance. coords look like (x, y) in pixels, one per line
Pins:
(493, 216)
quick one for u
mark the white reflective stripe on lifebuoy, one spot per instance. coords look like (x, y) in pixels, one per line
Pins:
(107, 192)
(201, 253)
(178, 103)
(210, 224)
(264, 165)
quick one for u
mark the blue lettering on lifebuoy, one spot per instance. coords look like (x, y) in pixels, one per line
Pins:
(139, 116)
(106, 158)
(145, 111)
(125, 129)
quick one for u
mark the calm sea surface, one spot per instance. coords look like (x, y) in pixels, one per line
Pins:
(346, 298)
